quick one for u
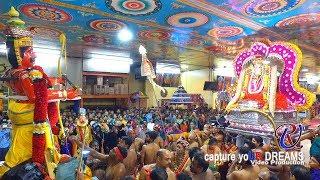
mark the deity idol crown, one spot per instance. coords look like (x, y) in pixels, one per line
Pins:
(19, 39)
(268, 78)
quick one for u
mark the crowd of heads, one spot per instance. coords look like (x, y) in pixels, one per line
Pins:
(190, 133)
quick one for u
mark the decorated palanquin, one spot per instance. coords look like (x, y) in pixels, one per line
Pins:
(267, 87)
(34, 108)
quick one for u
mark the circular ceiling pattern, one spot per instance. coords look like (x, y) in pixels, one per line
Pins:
(45, 32)
(154, 34)
(224, 32)
(269, 7)
(107, 25)
(96, 39)
(300, 21)
(134, 7)
(45, 12)
(187, 19)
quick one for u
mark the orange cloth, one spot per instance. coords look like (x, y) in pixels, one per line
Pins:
(255, 97)
(184, 127)
(281, 100)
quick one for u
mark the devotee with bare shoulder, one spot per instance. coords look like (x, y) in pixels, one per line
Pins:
(247, 171)
(130, 161)
(159, 139)
(149, 151)
(116, 168)
(199, 168)
(163, 160)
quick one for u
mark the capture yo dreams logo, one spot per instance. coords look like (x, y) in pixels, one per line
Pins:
(288, 135)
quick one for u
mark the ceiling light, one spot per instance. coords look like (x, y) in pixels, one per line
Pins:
(47, 51)
(167, 68)
(106, 65)
(107, 52)
(3, 49)
(112, 58)
(125, 35)
(184, 66)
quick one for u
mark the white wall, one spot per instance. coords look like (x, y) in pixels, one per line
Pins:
(193, 82)
(135, 85)
(73, 70)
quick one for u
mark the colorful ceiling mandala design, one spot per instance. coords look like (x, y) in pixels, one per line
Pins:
(224, 32)
(178, 23)
(227, 47)
(269, 7)
(134, 7)
(45, 32)
(46, 13)
(188, 19)
(107, 25)
(300, 21)
(95, 39)
(193, 42)
(154, 34)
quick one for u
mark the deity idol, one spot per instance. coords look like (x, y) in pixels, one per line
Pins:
(268, 82)
(254, 86)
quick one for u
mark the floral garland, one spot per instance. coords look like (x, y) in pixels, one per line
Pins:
(53, 117)
(178, 168)
(310, 97)
(40, 116)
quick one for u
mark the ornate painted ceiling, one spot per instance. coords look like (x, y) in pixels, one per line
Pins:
(173, 29)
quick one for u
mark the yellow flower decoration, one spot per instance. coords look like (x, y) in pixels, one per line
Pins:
(39, 128)
(310, 97)
(35, 74)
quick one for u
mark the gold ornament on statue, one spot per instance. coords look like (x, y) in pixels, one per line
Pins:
(17, 36)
